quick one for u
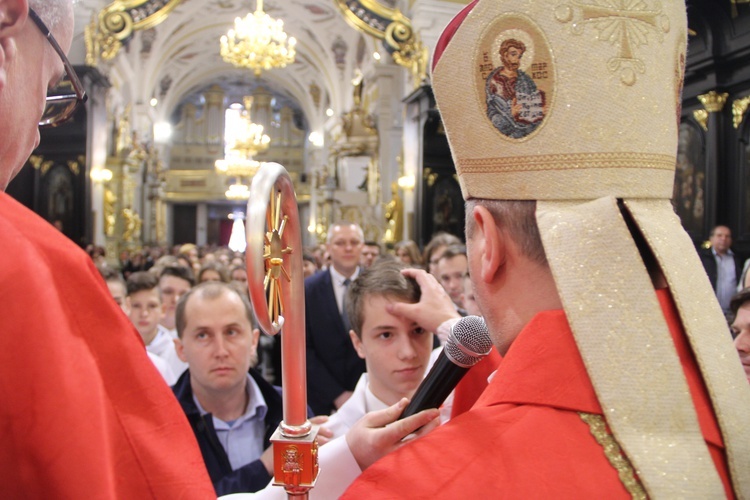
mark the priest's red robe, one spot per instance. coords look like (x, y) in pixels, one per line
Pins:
(524, 438)
(83, 411)
(475, 381)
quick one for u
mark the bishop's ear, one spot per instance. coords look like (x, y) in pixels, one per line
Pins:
(13, 16)
(489, 244)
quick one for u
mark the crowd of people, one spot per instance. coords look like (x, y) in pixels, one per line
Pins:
(142, 384)
(193, 316)
(362, 357)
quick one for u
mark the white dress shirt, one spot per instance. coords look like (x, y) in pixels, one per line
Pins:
(339, 288)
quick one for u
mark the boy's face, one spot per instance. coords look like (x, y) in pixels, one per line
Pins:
(172, 288)
(308, 268)
(396, 351)
(451, 273)
(145, 313)
(118, 291)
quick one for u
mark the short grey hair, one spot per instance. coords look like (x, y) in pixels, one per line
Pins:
(344, 224)
(518, 219)
(51, 11)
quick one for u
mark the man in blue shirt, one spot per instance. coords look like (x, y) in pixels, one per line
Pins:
(231, 408)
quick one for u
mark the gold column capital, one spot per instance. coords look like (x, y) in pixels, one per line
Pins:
(701, 116)
(713, 101)
(739, 106)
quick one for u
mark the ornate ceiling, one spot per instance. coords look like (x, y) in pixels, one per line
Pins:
(179, 57)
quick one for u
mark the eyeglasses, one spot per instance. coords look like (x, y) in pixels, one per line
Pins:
(61, 103)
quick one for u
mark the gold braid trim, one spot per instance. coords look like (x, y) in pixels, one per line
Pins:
(567, 161)
(612, 451)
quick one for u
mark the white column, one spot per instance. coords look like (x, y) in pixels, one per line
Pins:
(201, 220)
(389, 112)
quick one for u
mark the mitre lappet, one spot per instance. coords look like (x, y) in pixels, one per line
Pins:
(576, 104)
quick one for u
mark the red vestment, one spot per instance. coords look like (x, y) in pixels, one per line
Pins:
(84, 413)
(524, 437)
(473, 384)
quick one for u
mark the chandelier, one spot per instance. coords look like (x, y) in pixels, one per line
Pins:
(258, 42)
(248, 140)
(237, 191)
(237, 167)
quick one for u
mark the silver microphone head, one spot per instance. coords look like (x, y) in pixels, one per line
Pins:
(468, 342)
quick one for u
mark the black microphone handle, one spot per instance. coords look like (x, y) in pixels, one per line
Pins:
(436, 386)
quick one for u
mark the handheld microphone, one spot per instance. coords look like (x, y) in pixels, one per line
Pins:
(468, 343)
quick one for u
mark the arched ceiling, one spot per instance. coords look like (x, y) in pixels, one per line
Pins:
(180, 56)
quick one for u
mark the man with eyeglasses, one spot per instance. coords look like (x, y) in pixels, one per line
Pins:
(83, 412)
(333, 366)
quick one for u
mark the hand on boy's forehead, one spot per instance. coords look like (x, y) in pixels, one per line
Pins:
(376, 317)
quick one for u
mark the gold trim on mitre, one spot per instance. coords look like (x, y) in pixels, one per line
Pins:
(527, 177)
(575, 123)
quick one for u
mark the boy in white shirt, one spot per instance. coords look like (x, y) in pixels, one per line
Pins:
(397, 351)
(145, 310)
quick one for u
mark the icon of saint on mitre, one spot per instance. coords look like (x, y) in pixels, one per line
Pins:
(515, 105)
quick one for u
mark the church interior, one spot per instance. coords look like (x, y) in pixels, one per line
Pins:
(188, 97)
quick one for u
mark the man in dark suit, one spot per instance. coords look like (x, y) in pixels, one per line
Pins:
(333, 366)
(722, 265)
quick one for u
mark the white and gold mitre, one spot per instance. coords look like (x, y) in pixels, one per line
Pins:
(576, 104)
(594, 107)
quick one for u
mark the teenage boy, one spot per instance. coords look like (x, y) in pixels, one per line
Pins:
(452, 268)
(396, 350)
(145, 311)
(116, 285)
(174, 282)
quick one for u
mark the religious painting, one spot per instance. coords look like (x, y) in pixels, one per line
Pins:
(690, 179)
(516, 76)
(447, 206)
(57, 197)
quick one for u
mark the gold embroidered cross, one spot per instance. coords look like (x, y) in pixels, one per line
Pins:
(624, 23)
